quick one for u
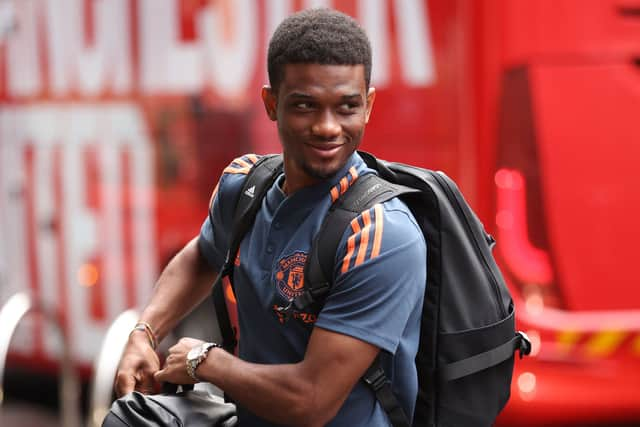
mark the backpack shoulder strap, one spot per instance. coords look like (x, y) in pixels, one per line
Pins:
(362, 195)
(260, 178)
(319, 269)
(258, 181)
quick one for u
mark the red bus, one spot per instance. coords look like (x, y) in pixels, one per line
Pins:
(117, 117)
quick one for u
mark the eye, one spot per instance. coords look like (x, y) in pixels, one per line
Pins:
(349, 107)
(302, 105)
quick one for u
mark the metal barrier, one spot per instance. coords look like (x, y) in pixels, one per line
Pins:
(106, 364)
(11, 313)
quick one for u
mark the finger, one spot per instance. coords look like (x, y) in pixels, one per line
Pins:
(145, 383)
(147, 387)
(175, 348)
(125, 384)
(160, 375)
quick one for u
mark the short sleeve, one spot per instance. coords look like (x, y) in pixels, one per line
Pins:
(380, 277)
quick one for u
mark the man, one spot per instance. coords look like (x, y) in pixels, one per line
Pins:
(289, 373)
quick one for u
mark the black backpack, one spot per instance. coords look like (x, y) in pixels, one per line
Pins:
(468, 338)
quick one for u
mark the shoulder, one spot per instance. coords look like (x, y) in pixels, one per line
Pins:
(383, 231)
(399, 223)
(215, 231)
(232, 179)
(379, 277)
(241, 165)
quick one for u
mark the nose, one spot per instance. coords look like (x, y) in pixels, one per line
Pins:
(326, 126)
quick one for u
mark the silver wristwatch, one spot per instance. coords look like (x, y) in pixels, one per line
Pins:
(195, 356)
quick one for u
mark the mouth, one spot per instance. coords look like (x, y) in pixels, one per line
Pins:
(323, 149)
(326, 146)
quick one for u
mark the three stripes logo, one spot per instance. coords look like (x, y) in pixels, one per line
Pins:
(366, 239)
(241, 165)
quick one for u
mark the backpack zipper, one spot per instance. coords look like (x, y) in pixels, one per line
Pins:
(456, 203)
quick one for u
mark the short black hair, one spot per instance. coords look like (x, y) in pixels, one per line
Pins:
(318, 36)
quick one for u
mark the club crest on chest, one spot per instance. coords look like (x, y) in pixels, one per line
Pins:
(289, 275)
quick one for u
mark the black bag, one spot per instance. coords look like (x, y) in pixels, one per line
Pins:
(468, 337)
(190, 408)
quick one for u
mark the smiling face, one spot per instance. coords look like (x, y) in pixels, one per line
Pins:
(321, 112)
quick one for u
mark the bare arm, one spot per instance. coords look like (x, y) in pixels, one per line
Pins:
(308, 393)
(183, 284)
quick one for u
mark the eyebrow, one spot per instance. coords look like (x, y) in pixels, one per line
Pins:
(353, 96)
(300, 95)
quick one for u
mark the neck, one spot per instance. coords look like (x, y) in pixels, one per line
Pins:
(294, 182)
(288, 188)
(285, 187)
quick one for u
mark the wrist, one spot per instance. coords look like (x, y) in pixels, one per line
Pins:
(143, 328)
(139, 337)
(214, 367)
(195, 358)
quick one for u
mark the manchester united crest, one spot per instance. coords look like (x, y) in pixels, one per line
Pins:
(290, 275)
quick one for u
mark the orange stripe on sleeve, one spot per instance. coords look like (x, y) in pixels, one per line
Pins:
(377, 238)
(242, 163)
(351, 246)
(364, 238)
(253, 158)
(355, 226)
(236, 170)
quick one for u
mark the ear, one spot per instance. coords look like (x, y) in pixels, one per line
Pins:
(270, 102)
(371, 96)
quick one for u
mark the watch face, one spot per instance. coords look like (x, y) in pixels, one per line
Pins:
(194, 352)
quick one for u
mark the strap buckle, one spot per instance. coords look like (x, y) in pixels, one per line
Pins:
(375, 379)
(524, 346)
(310, 295)
(227, 267)
(284, 312)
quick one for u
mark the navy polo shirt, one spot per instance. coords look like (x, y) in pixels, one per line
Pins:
(380, 275)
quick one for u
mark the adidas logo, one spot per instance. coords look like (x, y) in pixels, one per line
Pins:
(250, 191)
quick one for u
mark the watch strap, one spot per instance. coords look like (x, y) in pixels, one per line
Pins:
(192, 364)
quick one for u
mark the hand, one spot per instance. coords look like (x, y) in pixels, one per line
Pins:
(175, 366)
(138, 364)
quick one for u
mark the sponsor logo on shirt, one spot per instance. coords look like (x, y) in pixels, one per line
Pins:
(306, 318)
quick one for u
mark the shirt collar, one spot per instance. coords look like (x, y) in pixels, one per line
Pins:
(339, 182)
